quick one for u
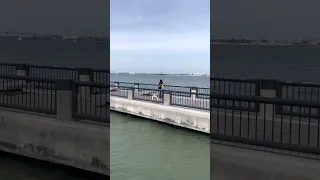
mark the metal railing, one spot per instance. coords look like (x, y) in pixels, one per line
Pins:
(205, 91)
(90, 101)
(266, 127)
(118, 91)
(231, 86)
(298, 91)
(7, 69)
(252, 87)
(179, 90)
(52, 72)
(191, 101)
(174, 98)
(154, 95)
(55, 72)
(89, 105)
(24, 93)
(248, 87)
(100, 76)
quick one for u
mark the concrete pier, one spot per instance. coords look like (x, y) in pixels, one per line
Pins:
(189, 118)
(76, 144)
(57, 123)
(230, 163)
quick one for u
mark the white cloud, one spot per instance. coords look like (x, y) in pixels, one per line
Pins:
(198, 41)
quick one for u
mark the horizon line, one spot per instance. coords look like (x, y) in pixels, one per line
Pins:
(159, 72)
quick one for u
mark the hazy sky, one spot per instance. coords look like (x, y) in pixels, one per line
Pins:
(265, 18)
(160, 36)
(67, 17)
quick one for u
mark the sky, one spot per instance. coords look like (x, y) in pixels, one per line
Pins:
(65, 17)
(257, 19)
(169, 36)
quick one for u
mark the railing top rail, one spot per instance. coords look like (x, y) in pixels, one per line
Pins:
(157, 85)
(183, 92)
(165, 90)
(7, 64)
(280, 82)
(234, 79)
(92, 84)
(101, 70)
(166, 85)
(132, 88)
(265, 100)
(26, 78)
(292, 83)
(53, 67)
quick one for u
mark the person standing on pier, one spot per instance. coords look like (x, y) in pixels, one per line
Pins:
(161, 85)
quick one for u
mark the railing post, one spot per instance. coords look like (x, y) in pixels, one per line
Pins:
(22, 70)
(166, 97)
(85, 75)
(268, 88)
(193, 91)
(130, 93)
(64, 97)
(136, 87)
(116, 84)
(212, 85)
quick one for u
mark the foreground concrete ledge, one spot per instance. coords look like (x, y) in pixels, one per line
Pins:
(80, 145)
(183, 117)
(233, 163)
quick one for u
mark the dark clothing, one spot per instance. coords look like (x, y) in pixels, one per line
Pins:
(159, 85)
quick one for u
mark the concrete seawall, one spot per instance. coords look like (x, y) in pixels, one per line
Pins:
(178, 116)
(233, 163)
(72, 143)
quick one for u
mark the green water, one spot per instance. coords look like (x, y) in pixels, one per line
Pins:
(146, 150)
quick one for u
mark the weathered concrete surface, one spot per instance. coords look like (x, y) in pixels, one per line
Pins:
(187, 118)
(76, 144)
(232, 163)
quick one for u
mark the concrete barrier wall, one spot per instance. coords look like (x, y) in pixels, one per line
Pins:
(80, 145)
(183, 117)
(232, 163)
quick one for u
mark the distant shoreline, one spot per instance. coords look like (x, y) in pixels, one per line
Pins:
(158, 74)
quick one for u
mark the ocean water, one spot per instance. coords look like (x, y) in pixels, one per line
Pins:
(290, 63)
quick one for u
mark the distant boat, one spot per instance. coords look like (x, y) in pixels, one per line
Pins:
(20, 38)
